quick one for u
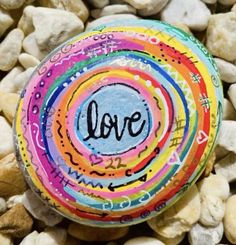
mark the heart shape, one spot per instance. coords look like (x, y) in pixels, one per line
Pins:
(202, 137)
(95, 159)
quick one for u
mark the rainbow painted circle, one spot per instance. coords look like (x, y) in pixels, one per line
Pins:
(118, 122)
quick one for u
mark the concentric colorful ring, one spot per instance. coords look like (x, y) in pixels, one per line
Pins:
(117, 123)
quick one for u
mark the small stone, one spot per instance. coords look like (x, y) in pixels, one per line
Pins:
(51, 236)
(13, 200)
(6, 143)
(171, 241)
(11, 4)
(227, 138)
(7, 84)
(9, 108)
(200, 235)
(214, 185)
(234, 8)
(227, 70)
(221, 31)
(99, 3)
(143, 241)
(232, 94)
(39, 210)
(5, 240)
(90, 234)
(209, 165)
(30, 239)
(229, 112)
(11, 178)
(22, 78)
(227, 2)
(192, 13)
(183, 27)
(77, 7)
(212, 211)
(138, 4)
(105, 19)
(16, 222)
(180, 217)
(27, 60)
(52, 26)
(227, 167)
(3, 206)
(152, 7)
(230, 219)
(5, 21)
(113, 9)
(209, 1)
(31, 47)
(10, 49)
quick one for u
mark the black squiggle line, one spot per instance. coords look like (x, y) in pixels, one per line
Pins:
(97, 173)
(157, 103)
(158, 127)
(71, 159)
(142, 151)
(59, 129)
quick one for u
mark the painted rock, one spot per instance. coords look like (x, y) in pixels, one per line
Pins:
(118, 122)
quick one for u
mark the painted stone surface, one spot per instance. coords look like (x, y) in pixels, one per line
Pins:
(118, 122)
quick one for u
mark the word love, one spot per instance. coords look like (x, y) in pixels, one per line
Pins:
(102, 128)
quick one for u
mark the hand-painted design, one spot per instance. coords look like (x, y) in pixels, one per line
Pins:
(118, 122)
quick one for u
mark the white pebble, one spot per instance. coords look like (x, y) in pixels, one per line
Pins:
(27, 60)
(6, 142)
(227, 137)
(152, 7)
(30, 239)
(232, 94)
(221, 31)
(194, 13)
(5, 21)
(113, 9)
(39, 210)
(105, 19)
(143, 241)
(230, 219)
(227, 167)
(209, 1)
(11, 4)
(180, 217)
(10, 49)
(51, 236)
(227, 70)
(200, 235)
(13, 200)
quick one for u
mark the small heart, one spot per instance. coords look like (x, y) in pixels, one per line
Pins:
(202, 137)
(95, 159)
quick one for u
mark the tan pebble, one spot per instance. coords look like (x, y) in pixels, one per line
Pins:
(152, 7)
(11, 178)
(98, 3)
(53, 236)
(9, 108)
(30, 239)
(6, 136)
(171, 241)
(5, 21)
(230, 219)
(227, 70)
(7, 84)
(234, 8)
(221, 30)
(227, 2)
(11, 4)
(87, 233)
(3, 206)
(6, 240)
(10, 49)
(16, 222)
(77, 7)
(232, 94)
(209, 165)
(144, 241)
(183, 27)
(180, 217)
